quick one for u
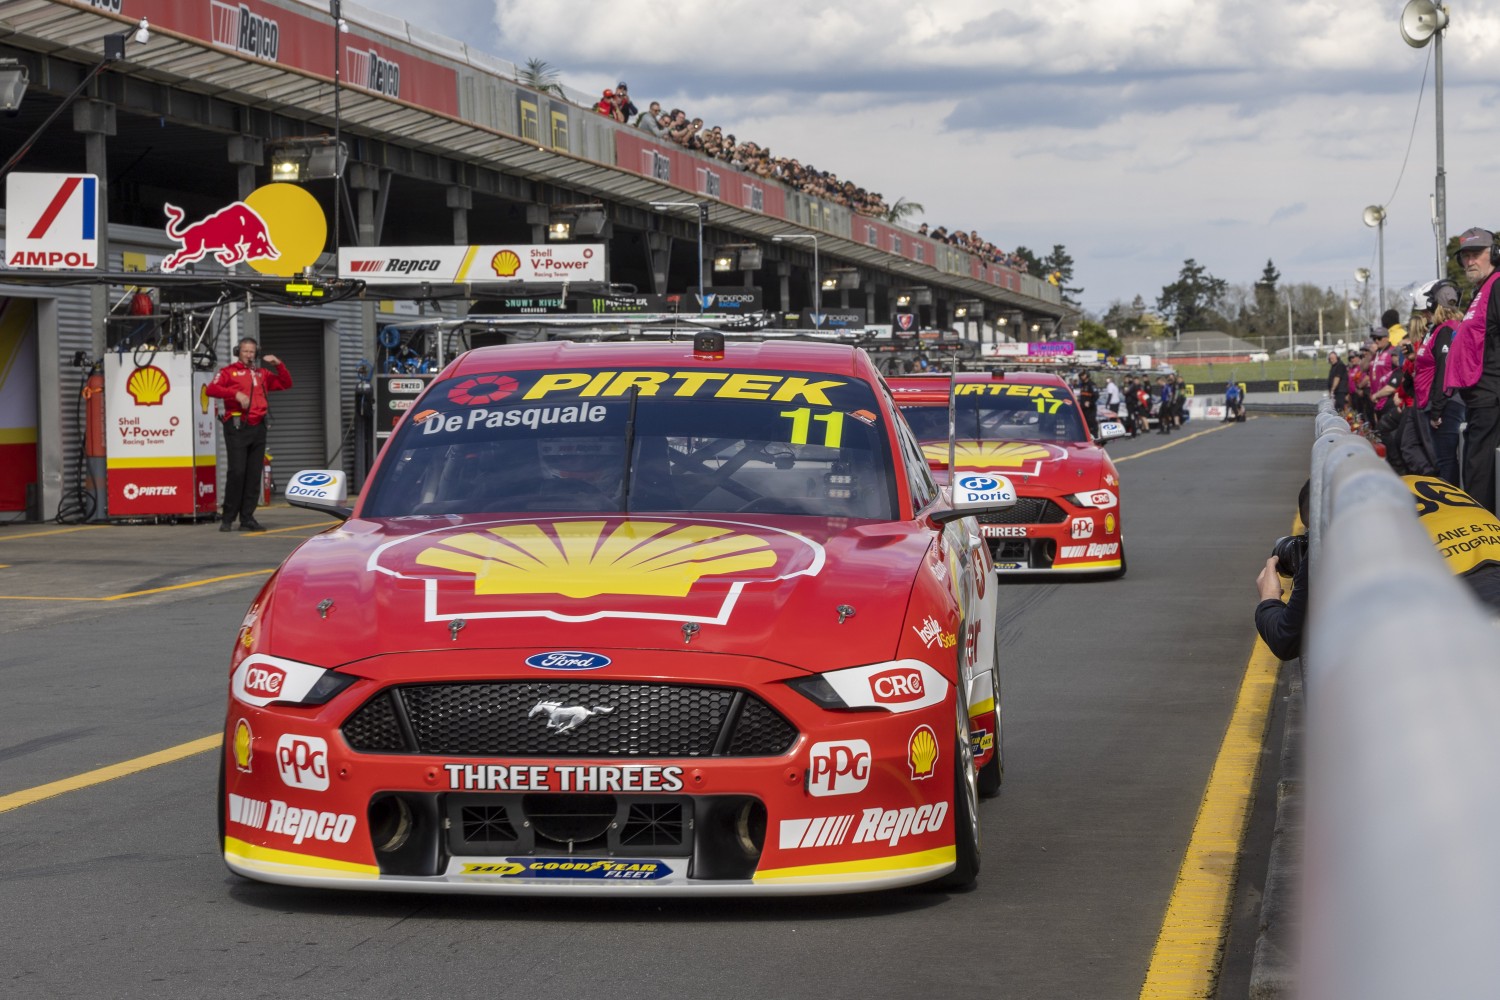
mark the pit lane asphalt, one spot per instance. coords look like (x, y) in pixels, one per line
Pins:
(1116, 698)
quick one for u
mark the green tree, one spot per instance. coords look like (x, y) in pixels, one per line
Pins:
(1033, 262)
(902, 208)
(540, 77)
(1094, 336)
(1057, 267)
(1265, 290)
(1192, 301)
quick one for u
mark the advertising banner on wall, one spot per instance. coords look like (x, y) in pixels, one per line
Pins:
(160, 447)
(18, 401)
(448, 265)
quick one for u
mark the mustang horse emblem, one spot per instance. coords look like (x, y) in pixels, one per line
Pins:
(562, 717)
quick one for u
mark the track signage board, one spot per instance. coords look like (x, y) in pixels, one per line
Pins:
(52, 221)
(458, 265)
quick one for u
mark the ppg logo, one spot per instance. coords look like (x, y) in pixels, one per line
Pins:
(982, 484)
(838, 768)
(303, 762)
(314, 479)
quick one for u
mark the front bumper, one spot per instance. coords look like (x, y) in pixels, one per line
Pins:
(1046, 533)
(306, 808)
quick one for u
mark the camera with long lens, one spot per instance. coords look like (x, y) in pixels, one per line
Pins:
(1290, 551)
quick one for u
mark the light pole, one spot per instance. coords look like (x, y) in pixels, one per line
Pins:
(702, 207)
(1375, 219)
(1423, 21)
(817, 282)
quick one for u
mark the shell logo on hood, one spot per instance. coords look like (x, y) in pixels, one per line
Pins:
(587, 568)
(994, 454)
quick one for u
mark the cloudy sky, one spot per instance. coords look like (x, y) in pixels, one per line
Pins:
(1137, 133)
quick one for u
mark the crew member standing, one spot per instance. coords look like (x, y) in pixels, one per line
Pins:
(1474, 364)
(243, 386)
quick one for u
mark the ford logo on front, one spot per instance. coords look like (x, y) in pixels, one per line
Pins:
(314, 479)
(980, 483)
(568, 660)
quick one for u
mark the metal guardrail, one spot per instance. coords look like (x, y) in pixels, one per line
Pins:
(1401, 893)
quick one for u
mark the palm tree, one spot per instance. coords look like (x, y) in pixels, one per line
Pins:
(902, 208)
(540, 77)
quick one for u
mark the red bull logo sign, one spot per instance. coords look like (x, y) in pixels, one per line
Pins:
(279, 229)
(589, 568)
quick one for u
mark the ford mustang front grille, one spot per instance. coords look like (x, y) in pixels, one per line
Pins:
(1027, 510)
(540, 719)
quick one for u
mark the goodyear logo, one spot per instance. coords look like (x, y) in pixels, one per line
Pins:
(589, 868)
(772, 387)
(587, 568)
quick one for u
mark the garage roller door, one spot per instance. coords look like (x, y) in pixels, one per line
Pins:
(295, 437)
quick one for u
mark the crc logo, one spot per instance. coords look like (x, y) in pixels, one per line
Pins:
(265, 681)
(314, 479)
(838, 768)
(980, 484)
(896, 687)
(303, 762)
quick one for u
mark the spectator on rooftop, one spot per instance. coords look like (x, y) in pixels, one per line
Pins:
(622, 95)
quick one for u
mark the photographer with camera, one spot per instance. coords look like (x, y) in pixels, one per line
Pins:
(1280, 623)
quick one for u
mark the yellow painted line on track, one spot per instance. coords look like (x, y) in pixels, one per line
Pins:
(143, 593)
(53, 531)
(26, 797)
(314, 528)
(1172, 444)
(1185, 962)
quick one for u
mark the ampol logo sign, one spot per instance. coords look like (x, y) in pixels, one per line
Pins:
(52, 221)
(278, 229)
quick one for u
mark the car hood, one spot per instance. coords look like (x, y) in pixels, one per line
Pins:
(759, 586)
(1064, 466)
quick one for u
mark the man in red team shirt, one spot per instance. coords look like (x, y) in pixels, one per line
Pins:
(243, 386)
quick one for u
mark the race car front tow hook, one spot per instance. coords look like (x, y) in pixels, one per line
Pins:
(845, 611)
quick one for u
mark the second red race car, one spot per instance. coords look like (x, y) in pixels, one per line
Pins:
(1028, 427)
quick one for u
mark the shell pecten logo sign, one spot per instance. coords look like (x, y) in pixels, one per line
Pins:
(148, 386)
(505, 264)
(588, 568)
(993, 454)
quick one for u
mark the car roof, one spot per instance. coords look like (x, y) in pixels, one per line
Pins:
(836, 359)
(932, 389)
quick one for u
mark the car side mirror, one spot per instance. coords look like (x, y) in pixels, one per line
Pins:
(1109, 430)
(975, 494)
(324, 490)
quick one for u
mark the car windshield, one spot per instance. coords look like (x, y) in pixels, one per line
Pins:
(774, 442)
(1001, 411)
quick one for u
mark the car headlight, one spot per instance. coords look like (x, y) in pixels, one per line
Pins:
(1094, 498)
(260, 680)
(893, 686)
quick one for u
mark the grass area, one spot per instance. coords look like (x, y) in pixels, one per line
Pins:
(1311, 371)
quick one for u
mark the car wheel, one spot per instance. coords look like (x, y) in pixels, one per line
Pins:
(1119, 573)
(992, 775)
(965, 812)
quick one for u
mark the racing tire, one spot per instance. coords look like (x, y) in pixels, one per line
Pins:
(965, 813)
(1119, 574)
(992, 775)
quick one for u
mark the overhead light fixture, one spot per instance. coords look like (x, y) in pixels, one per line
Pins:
(903, 300)
(961, 312)
(845, 278)
(114, 45)
(14, 78)
(738, 257)
(307, 159)
(723, 262)
(830, 283)
(288, 164)
(559, 230)
(751, 258)
(590, 221)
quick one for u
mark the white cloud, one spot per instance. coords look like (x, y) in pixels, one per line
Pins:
(1135, 132)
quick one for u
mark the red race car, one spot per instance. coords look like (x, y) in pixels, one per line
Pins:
(631, 617)
(1028, 427)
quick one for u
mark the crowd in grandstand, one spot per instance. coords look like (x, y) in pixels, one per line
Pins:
(715, 143)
